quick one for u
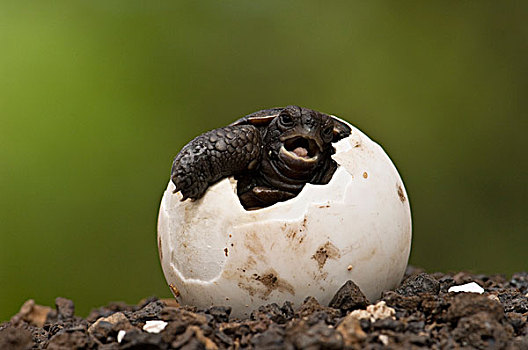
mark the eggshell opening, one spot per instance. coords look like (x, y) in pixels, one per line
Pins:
(357, 227)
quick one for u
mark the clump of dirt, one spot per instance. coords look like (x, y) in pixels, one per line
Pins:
(420, 313)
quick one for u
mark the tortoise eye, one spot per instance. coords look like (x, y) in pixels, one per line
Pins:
(286, 119)
(328, 133)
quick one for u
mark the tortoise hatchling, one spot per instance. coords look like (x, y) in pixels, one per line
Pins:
(271, 153)
(350, 221)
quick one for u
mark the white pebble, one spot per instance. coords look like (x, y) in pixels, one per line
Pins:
(120, 335)
(379, 311)
(494, 297)
(154, 326)
(384, 339)
(468, 288)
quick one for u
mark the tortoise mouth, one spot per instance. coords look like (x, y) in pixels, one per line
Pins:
(299, 150)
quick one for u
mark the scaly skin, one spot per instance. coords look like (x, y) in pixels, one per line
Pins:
(214, 155)
(272, 153)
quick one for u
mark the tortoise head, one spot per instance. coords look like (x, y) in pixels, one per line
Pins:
(297, 140)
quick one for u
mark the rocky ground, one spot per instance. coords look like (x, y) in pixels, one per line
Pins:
(420, 313)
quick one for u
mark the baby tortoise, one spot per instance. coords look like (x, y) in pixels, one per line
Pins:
(271, 153)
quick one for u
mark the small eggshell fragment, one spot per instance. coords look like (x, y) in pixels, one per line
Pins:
(357, 227)
(379, 311)
(468, 288)
(384, 339)
(154, 326)
(120, 336)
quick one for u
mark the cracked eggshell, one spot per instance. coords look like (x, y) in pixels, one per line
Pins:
(357, 227)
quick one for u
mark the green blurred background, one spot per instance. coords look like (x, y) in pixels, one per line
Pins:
(97, 97)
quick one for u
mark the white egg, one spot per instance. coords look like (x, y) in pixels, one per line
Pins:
(357, 227)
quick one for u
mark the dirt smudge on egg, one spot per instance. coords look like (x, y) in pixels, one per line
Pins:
(401, 195)
(272, 281)
(254, 245)
(174, 290)
(160, 250)
(325, 252)
(262, 285)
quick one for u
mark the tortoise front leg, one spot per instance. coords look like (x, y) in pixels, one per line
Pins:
(214, 155)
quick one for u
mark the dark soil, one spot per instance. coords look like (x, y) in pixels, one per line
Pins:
(420, 313)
